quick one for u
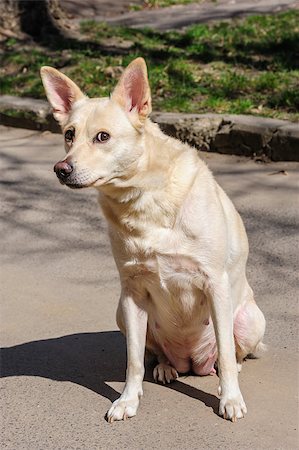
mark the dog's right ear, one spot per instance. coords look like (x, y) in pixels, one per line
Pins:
(61, 92)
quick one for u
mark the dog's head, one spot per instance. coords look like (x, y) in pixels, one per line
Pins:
(103, 136)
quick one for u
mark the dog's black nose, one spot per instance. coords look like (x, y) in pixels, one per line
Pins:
(63, 170)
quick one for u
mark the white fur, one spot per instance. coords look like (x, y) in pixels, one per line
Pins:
(178, 242)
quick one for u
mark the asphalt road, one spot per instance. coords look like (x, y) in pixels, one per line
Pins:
(63, 360)
(181, 16)
(118, 12)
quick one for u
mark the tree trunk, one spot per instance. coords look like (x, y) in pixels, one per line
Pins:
(10, 19)
(40, 20)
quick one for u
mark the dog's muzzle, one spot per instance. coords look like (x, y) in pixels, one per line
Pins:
(63, 170)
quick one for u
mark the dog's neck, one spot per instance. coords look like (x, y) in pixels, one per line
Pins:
(158, 185)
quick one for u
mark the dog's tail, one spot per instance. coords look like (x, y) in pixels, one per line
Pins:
(258, 351)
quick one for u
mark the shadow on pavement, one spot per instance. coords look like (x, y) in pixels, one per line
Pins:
(88, 359)
(35, 205)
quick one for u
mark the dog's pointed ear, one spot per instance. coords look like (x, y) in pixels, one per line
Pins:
(132, 92)
(61, 92)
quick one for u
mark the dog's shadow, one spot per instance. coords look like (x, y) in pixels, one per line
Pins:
(89, 359)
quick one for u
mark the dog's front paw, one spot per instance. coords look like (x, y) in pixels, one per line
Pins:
(164, 373)
(122, 409)
(232, 407)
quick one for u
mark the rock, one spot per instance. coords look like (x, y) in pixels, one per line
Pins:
(27, 113)
(285, 143)
(113, 71)
(117, 43)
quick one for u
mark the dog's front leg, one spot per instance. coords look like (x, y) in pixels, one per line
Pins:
(135, 320)
(232, 405)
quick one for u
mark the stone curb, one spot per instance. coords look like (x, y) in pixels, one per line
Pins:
(262, 138)
(180, 16)
(26, 112)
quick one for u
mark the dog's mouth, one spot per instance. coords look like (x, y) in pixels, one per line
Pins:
(82, 180)
(73, 178)
(80, 185)
(75, 185)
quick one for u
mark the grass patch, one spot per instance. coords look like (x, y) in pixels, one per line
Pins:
(18, 113)
(160, 4)
(248, 66)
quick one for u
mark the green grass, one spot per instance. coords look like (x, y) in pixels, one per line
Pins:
(248, 66)
(160, 4)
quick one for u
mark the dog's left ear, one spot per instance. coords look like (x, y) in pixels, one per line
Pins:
(133, 93)
(61, 91)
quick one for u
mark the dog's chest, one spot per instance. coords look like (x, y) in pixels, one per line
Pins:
(164, 272)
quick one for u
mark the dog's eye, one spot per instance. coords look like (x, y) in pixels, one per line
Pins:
(102, 136)
(69, 135)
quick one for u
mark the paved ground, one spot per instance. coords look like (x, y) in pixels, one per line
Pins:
(104, 8)
(63, 360)
(174, 17)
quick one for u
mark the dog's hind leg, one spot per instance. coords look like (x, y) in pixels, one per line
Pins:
(249, 329)
(164, 372)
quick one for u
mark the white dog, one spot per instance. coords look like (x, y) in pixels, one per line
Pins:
(178, 242)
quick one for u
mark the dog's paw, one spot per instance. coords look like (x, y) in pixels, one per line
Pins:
(164, 373)
(122, 409)
(232, 408)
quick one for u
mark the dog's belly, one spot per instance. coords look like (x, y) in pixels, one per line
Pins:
(196, 351)
(179, 322)
(180, 326)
